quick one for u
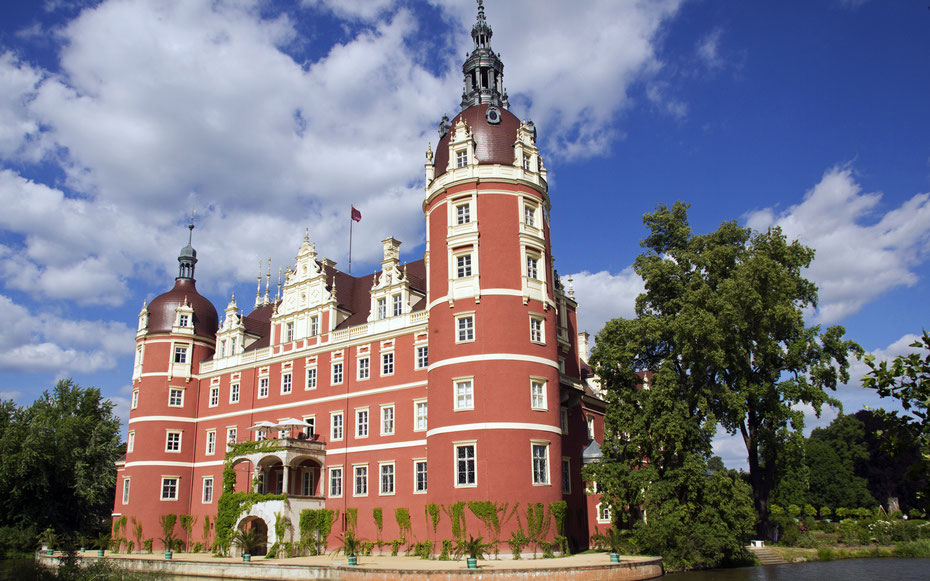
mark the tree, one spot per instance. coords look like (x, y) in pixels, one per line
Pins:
(58, 466)
(907, 379)
(722, 322)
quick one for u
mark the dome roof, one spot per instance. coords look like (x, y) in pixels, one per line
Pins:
(493, 142)
(163, 310)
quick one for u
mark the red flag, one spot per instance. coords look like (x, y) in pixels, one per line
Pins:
(356, 215)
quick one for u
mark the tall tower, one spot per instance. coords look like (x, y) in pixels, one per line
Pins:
(177, 331)
(494, 414)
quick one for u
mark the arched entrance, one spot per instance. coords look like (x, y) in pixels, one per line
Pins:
(252, 536)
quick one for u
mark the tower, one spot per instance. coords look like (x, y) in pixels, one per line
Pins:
(177, 331)
(494, 384)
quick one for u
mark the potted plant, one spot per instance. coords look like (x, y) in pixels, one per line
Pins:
(611, 540)
(248, 541)
(48, 539)
(167, 522)
(475, 549)
(351, 546)
(102, 542)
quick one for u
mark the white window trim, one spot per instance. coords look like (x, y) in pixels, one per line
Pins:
(358, 425)
(455, 393)
(384, 355)
(134, 402)
(474, 332)
(290, 375)
(548, 467)
(358, 369)
(316, 378)
(416, 356)
(605, 506)
(545, 394)
(203, 492)
(355, 492)
(171, 389)
(237, 392)
(130, 441)
(332, 372)
(329, 487)
(416, 402)
(210, 452)
(536, 317)
(415, 482)
(267, 386)
(381, 466)
(385, 407)
(177, 488)
(214, 390)
(180, 435)
(455, 463)
(332, 426)
(127, 486)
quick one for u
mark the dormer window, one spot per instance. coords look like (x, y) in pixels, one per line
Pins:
(529, 215)
(398, 305)
(314, 326)
(463, 265)
(183, 320)
(289, 332)
(532, 266)
(526, 163)
(463, 213)
(461, 158)
(382, 308)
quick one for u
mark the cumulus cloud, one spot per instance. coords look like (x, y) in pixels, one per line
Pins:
(708, 49)
(861, 251)
(44, 342)
(17, 87)
(603, 296)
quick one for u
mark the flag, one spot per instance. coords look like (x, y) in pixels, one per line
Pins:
(356, 215)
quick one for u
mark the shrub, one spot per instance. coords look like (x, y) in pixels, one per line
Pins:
(445, 555)
(913, 549)
(826, 553)
(517, 541)
(914, 513)
(825, 512)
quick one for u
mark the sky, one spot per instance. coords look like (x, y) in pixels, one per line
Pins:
(118, 118)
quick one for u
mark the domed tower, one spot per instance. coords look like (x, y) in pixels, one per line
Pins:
(177, 331)
(494, 413)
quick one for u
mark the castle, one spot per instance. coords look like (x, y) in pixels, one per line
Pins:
(455, 378)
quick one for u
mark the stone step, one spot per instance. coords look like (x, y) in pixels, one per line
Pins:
(766, 556)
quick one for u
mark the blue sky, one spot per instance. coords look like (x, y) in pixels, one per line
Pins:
(119, 117)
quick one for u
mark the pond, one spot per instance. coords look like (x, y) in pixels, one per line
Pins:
(858, 569)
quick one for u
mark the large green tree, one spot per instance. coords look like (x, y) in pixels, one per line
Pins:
(907, 379)
(721, 322)
(58, 461)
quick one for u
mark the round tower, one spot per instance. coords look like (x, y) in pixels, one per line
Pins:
(494, 419)
(177, 331)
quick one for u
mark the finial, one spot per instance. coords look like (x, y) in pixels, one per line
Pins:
(429, 153)
(268, 283)
(307, 235)
(571, 287)
(278, 295)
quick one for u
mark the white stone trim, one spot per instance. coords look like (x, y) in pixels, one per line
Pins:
(493, 357)
(493, 426)
(376, 447)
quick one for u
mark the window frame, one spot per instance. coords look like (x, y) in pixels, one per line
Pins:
(175, 488)
(363, 368)
(207, 487)
(336, 375)
(537, 329)
(134, 401)
(310, 377)
(417, 489)
(180, 354)
(336, 429)
(566, 475)
(539, 400)
(465, 327)
(463, 393)
(540, 464)
(387, 364)
(234, 393)
(126, 489)
(383, 468)
(177, 402)
(362, 422)
(421, 356)
(211, 442)
(263, 386)
(359, 480)
(214, 396)
(385, 408)
(471, 472)
(173, 447)
(463, 264)
(130, 441)
(397, 305)
(417, 404)
(335, 481)
(287, 383)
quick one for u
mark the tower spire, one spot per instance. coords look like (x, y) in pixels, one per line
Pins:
(483, 70)
(188, 257)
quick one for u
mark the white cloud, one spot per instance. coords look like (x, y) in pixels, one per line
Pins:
(44, 342)
(17, 88)
(603, 296)
(366, 10)
(708, 50)
(861, 252)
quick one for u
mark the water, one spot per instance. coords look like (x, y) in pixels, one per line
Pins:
(857, 569)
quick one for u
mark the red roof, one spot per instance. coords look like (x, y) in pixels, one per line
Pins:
(163, 310)
(493, 143)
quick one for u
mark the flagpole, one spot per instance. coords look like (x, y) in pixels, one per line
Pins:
(350, 241)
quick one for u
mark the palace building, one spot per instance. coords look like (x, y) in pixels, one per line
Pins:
(456, 378)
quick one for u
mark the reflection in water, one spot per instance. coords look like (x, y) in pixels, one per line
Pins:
(856, 569)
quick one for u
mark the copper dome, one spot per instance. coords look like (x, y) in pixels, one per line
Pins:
(493, 143)
(163, 309)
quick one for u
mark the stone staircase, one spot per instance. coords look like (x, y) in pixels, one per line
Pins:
(766, 556)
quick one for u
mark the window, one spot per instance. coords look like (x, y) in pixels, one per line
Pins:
(231, 436)
(590, 427)
(465, 465)
(363, 368)
(382, 309)
(387, 364)
(125, 491)
(169, 488)
(306, 484)
(289, 332)
(540, 463)
(526, 163)
(335, 420)
(603, 512)
(398, 304)
(361, 481)
(566, 476)
(135, 399)
(464, 394)
(422, 357)
(387, 420)
(208, 490)
(532, 266)
(563, 416)
(538, 394)
(314, 326)
(361, 423)
(260, 435)
(536, 330)
(335, 482)
(387, 479)
(130, 441)
(221, 350)
(182, 322)
(262, 387)
(337, 373)
(214, 396)
(463, 213)
(419, 474)
(173, 441)
(211, 442)
(466, 328)
(311, 378)
(463, 265)
(286, 383)
(310, 429)
(234, 393)
(529, 215)
(175, 397)
(419, 413)
(461, 158)
(180, 354)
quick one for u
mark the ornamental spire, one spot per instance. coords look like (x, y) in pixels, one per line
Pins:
(483, 70)
(188, 257)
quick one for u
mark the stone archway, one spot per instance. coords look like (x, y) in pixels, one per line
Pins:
(252, 522)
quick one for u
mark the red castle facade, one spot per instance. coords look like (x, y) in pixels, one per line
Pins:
(453, 378)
